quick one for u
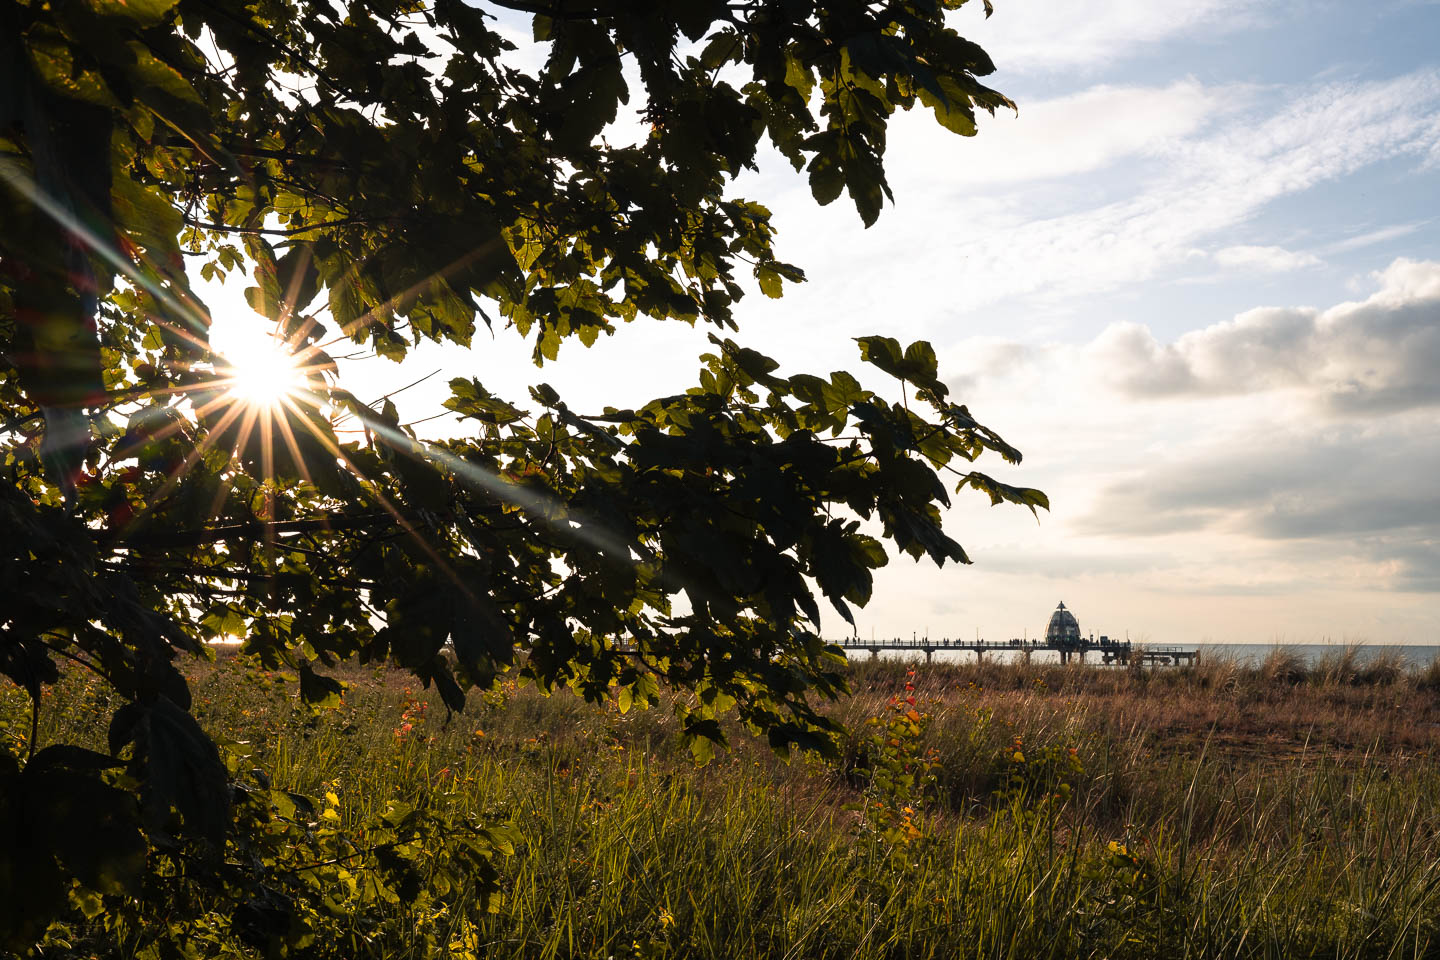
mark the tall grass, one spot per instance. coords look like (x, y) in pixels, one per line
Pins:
(1284, 665)
(1216, 810)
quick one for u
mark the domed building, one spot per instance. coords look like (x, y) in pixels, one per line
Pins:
(1064, 629)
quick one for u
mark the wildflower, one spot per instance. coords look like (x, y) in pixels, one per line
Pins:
(666, 919)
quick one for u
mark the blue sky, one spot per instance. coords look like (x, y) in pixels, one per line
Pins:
(1196, 280)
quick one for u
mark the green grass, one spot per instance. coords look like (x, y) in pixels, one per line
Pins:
(1214, 812)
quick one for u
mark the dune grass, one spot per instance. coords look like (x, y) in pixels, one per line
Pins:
(1218, 810)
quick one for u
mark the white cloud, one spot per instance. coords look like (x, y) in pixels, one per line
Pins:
(1051, 247)
(1052, 34)
(1372, 237)
(1377, 354)
(1270, 259)
(1061, 137)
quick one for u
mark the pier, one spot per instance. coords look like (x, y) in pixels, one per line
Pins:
(1062, 636)
(1105, 650)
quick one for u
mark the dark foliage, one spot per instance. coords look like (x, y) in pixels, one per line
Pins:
(385, 175)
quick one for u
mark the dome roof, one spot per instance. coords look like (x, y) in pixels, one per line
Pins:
(1063, 628)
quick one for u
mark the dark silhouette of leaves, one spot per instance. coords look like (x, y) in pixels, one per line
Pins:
(411, 190)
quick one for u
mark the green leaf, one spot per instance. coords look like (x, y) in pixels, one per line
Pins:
(150, 220)
(144, 13)
(179, 770)
(1003, 492)
(827, 179)
(319, 691)
(769, 278)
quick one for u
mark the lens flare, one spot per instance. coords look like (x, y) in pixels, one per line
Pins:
(261, 371)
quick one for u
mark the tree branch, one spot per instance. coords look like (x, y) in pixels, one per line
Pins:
(278, 232)
(253, 529)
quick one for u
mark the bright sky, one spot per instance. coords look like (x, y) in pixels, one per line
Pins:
(1197, 281)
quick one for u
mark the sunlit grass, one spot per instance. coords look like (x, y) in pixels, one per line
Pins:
(1184, 835)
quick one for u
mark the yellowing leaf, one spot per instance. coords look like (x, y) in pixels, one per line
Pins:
(147, 217)
(144, 12)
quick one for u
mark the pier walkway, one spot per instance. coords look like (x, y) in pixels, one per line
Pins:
(1107, 650)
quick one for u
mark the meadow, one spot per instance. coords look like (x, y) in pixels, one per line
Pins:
(991, 810)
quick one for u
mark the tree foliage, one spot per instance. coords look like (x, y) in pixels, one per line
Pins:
(384, 173)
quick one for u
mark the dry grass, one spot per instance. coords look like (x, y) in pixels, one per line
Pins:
(1272, 811)
(1283, 665)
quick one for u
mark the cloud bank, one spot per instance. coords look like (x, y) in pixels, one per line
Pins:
(1379, 355)
(1292, 443)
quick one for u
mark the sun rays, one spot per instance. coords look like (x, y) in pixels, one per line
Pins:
(265, 402)
(262, 374)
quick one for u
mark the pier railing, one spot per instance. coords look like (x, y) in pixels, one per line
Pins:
(1108, 651)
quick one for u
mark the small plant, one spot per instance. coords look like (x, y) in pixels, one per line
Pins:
(413, 713)
(1040, 777)
(899, 770)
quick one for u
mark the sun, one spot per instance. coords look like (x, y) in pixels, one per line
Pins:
(257, 367)
(265, 376)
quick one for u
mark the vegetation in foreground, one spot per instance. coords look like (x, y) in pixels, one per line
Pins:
(377, 178)
(984, 811)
